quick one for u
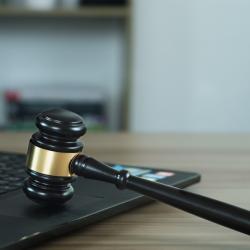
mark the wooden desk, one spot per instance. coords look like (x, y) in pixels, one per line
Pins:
(223, 161)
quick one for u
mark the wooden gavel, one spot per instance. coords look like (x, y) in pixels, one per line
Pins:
(54, 159)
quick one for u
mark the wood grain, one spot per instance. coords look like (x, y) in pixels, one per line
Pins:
(223, 161)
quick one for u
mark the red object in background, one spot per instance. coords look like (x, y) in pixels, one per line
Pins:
(12, 96)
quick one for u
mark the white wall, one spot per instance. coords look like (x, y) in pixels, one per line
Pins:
(191, 66)
(64, 51)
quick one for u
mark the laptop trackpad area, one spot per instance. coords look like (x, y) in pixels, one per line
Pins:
(90, 197)
(18, 205)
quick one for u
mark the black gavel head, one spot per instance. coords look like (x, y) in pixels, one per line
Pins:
(49, 155)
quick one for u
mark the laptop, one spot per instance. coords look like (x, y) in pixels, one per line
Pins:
(25, 224)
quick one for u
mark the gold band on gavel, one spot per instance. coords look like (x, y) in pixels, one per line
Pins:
(49, 162)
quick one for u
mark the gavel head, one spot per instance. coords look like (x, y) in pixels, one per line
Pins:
(49, 155)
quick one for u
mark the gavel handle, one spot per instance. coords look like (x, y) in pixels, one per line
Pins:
(213, 210)
(210, 209)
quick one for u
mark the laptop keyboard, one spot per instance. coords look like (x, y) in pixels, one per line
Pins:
(12, 172)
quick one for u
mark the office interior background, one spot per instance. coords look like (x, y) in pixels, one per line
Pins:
(141, 65)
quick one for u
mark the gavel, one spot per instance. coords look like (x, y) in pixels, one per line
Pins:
(54, 160)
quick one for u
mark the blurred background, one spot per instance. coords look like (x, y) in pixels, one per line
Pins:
(135, 65)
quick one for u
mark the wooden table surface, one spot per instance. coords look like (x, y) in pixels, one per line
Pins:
(223, 161)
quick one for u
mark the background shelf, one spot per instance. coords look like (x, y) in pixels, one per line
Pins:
(88, 12)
